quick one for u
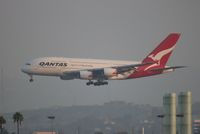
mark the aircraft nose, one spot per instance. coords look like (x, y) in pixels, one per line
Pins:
(25, 69)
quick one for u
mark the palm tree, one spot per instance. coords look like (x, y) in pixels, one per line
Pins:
(2, 121)
(18, 118)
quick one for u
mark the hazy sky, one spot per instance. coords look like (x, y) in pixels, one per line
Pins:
(103, 29)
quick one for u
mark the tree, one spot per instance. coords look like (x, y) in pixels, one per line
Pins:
(2, 121)
(18, 118)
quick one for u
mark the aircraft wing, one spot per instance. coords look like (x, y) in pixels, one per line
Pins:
(99, 73)
(125, 68)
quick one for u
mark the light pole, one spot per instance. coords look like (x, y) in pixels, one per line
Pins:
(52, 119)
(161, 116)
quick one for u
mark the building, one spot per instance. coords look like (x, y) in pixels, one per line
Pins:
(185, 109)
(169, 120)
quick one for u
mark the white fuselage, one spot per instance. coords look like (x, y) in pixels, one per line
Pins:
(57, 66)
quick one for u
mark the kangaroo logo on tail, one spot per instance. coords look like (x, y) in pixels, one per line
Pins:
(157, 57)
(161, 54)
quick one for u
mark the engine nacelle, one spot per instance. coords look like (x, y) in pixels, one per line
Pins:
(86, 75)
(109, 72)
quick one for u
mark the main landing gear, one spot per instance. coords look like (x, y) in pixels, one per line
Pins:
(89, 83)
(98, 83)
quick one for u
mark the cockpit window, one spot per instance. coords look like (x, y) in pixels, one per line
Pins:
(28, 64)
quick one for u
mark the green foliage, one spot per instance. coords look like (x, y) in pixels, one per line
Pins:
(18, 118)
(2, 121)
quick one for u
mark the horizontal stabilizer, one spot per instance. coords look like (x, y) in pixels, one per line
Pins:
(167, 68)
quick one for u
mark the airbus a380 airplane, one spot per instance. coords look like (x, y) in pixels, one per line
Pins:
(97, 72)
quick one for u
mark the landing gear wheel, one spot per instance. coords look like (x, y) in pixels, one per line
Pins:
(99, 83)
(31, 78)
(105, 83)
(96, 84)
(89, 83)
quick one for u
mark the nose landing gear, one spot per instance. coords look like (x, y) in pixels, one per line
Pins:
(31, 78)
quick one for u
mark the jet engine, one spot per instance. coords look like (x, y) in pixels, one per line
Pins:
(86, 75)
(109, 72)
